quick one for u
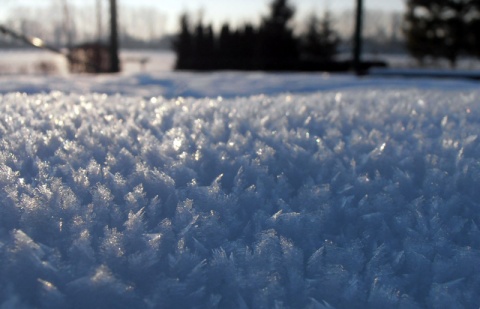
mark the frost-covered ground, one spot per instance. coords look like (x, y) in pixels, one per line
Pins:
(37, 62)
(225, 84)
(343, 193)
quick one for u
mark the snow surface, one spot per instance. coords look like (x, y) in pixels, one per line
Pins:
(225, 84)
(33, 61)
(363, 195)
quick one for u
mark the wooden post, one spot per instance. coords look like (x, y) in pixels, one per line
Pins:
(99, 21)
(114, 59)
(357, 39)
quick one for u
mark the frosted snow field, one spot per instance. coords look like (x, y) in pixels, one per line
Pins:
(225, 84)
(344, 193)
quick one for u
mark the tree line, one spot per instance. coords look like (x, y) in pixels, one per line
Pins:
(71, 23)
(434, 29)
(270, 46)
(444, 29)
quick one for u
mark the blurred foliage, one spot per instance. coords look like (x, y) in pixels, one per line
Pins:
(270, 46)
(442, 29)
(320, 40)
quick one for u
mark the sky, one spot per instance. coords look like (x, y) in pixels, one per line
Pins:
(217, 11)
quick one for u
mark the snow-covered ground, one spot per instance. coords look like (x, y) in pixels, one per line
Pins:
(248, 191)
(225, 84)
(41, 62)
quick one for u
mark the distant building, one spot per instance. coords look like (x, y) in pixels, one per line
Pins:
(90, 58)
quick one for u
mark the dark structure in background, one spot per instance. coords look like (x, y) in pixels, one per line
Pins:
(442, 29)
(114, 58)
(320, 40)
(271, 47)
(357, 38)
(90, 58)
(98, 57)
(276, 44)
(85, 58)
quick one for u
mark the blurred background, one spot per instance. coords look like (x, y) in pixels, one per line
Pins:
(239, 34)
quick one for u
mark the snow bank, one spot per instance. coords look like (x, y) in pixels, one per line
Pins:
(352, 199)
(225, 84)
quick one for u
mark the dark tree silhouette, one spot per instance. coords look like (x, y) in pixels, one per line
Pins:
(278, 45)
(225, 42)
(472, 34)
(271, 46)
(320, 41)
(248, 41)
(442, 28)
(203, 46)
(183, 44)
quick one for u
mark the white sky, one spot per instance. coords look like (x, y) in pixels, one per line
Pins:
(216, 11)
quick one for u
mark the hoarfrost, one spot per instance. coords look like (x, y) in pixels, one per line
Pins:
(352, 199)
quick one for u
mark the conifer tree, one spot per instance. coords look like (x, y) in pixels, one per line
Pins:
(183, 43)
(472, 33)
(320, 41)
(440, 28)
(249, 41)
(199, 40)
(209, 44)
(225, 41)
(278, 43)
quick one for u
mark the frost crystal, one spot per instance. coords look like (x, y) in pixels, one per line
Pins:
(352, 199)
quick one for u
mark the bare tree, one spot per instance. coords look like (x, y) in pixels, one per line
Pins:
(68, 23)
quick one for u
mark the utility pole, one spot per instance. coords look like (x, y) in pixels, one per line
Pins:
(99, 21)
(357, 39)
(114, 59)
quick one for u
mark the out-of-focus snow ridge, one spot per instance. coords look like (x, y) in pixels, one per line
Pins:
(225, 84)
(351, 199)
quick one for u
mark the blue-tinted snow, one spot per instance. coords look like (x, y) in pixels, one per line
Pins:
(355, 197)
(225, 84)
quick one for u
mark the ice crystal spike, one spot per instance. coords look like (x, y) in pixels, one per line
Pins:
(370, 200)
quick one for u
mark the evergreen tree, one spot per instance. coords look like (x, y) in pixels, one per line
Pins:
(209, 44)
(271, 46)
(183, 43)
(473, 34)
(320, 41)
(249, 41)
(417, 32)
(440, 28)
(278, 45)
(225, 42)
(199, 41)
